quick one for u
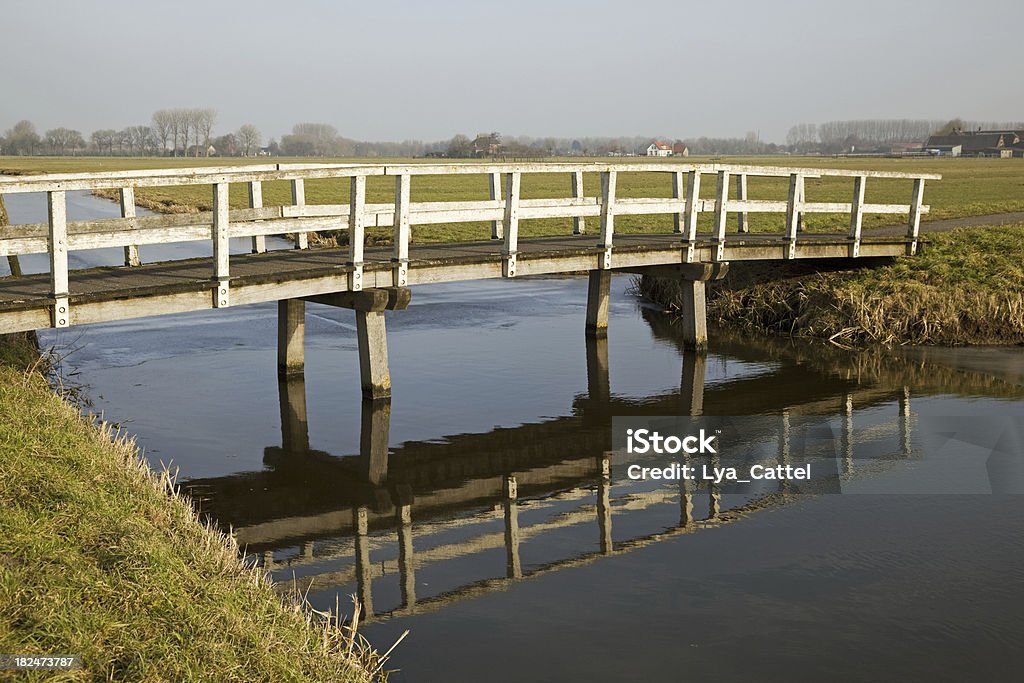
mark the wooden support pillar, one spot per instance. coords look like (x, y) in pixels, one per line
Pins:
(604, 503)
(598, 295)
(406, 566)
(691, 388)
(374, 434)
(131, 251)
(291, 391)
(598, 387)
(291, 336)
(694, 316)
(373, 355)
(510, 491)
(364, 576)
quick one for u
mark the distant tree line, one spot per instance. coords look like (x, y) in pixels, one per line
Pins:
(172, 132)
(834, 137)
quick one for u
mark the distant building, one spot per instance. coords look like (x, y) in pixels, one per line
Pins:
(659, 149)
(983, 143)
(680, 150)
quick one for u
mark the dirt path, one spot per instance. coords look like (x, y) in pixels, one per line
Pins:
(988, 221)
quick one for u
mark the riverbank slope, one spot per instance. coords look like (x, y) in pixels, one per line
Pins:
(965, 287)
(100, 558)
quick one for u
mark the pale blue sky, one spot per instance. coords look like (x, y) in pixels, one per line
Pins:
(398, 70)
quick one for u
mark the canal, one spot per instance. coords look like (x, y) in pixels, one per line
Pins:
(914, 572)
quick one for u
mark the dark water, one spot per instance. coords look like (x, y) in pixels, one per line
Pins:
(586, 574)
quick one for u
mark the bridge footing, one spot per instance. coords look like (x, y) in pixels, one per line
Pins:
(598, 294)
(291, 337)
(694, 315)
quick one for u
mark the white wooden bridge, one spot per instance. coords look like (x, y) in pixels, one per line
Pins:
(371, 279)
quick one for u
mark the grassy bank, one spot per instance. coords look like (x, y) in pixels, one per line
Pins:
(969, 187)
(99, 558)
(966, 287)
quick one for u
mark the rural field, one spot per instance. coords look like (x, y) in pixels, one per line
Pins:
(969, 187)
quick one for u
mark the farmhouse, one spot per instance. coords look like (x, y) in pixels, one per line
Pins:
(659, 149)
(982, 143)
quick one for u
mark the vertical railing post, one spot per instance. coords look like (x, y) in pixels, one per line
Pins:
(846, 435)
(604, 503)
(857, 214)
(131, 251)
(608, 179)
(508, 252)
(741, 195)
(678, 192)
(692, 209)
(579, 223)
(57, 217)
(356, 230)
(494, 191)
(259, 242)
(906, 446)
(221, 245)
(793, 208)
(914, 219)
(721, 213)
(406, 564)
(299, 201)
(401, 232)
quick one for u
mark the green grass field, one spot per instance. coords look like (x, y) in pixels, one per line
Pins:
(969, 187)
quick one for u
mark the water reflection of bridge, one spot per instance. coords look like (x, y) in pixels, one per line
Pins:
(314, 508)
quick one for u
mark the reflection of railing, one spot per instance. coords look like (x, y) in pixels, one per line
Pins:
(386, 525)
(57, 236)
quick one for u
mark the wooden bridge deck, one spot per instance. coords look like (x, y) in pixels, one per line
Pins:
(110, 293)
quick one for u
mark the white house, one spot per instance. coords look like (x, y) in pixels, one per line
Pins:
(659, 149)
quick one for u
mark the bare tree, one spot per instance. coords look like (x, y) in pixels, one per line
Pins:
(163, 127)
(21, 139)
(104, 139)
(249, 138)
(204, 121)
(58, 139)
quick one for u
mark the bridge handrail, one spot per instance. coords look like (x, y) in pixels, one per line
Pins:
(504, 210)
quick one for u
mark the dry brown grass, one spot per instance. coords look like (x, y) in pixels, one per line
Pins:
(966, 287)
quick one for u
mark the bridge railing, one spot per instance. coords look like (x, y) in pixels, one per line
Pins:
(504, 210)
